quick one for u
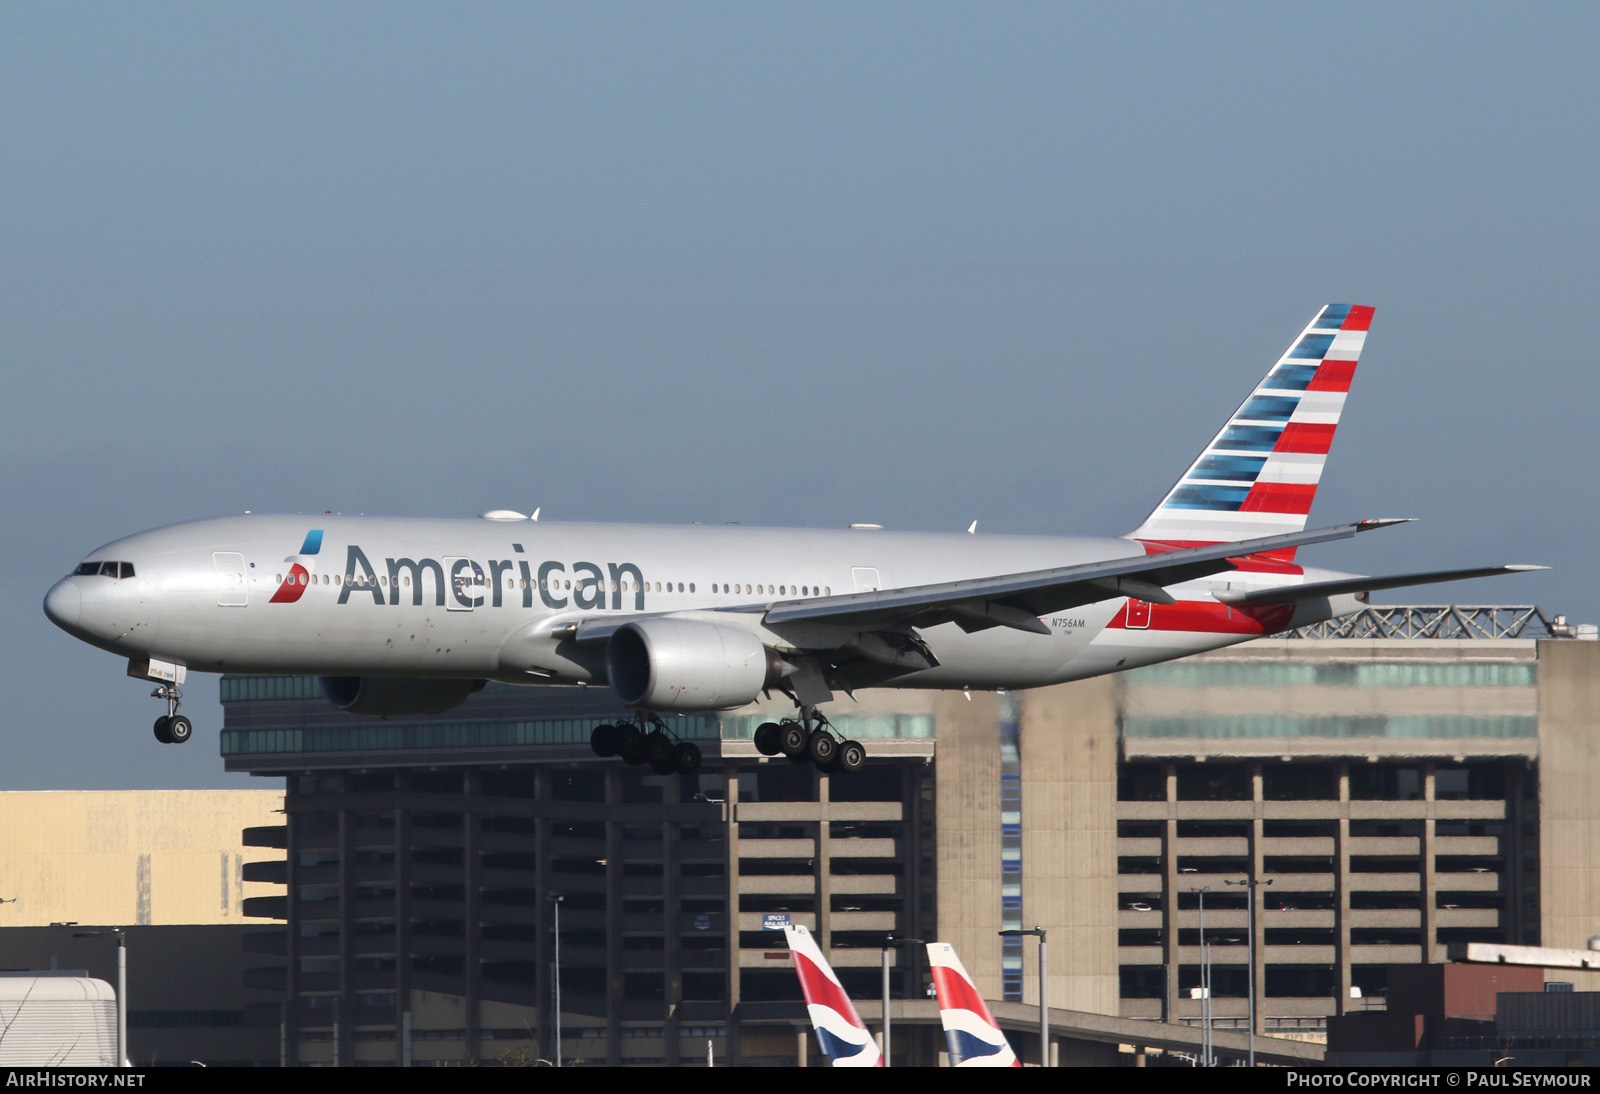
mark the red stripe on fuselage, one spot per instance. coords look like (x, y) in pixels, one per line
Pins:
(1305, 437)
(1201, 617)
(1332, 376)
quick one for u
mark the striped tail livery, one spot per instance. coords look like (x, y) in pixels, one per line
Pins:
(969, 1029)
(840, 1030)
(1258, 476)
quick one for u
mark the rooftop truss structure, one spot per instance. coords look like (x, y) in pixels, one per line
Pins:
(1448, 621)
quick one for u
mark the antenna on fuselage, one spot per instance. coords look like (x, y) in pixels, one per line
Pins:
(535, 515)
(972, 528)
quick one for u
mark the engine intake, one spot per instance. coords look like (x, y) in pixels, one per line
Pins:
(681, 664)
(388, 695)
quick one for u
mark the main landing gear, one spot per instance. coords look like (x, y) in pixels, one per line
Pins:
(813, 740)
(646, 740)
(172, 728)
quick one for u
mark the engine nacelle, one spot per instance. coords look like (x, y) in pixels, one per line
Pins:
(388, 695)
(681, 664)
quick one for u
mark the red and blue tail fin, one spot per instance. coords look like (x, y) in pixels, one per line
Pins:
(840, 1030)
(1258, 476)
(970, 1030)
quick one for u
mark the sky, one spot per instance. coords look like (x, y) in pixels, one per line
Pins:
(800, 264)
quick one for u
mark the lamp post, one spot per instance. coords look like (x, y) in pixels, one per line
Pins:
(889, 943)
(1044, 989)
(1205, 982)
(1251, 885)
(555, 981)
(122, 986)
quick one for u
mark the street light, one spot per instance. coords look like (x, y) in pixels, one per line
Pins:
(888, 943)
(1205, 982)
(555, 981)
(122, 987)
(1044, 991)
(1251, 885)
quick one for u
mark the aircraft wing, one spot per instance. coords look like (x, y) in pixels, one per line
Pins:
(1018, 600)
(1290, 593)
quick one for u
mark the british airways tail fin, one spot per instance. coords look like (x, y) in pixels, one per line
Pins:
(970, 1030)
(840, 1030)
(1259, 475)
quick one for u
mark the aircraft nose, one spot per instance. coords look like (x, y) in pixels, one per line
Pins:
(64, 605)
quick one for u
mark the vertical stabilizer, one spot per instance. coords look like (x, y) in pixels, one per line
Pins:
(1258, 476)
(840, 1030)
(969, 1029)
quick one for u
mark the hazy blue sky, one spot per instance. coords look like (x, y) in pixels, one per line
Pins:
(917, 264)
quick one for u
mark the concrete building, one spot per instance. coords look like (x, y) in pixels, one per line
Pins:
(168, 868)
(129, 857)
(1419, 777)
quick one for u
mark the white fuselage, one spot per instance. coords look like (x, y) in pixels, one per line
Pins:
(491, 599)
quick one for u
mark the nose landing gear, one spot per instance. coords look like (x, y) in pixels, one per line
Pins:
(172, 728)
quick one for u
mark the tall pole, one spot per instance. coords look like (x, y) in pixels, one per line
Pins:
(1044, 989)
(1205, 982)
(555, 981)
(1044, 1001)
(1251, 884)
(122, 997)
(885, 955)
(122, 986)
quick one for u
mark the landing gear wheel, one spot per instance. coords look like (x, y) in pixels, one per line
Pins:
(603, 741)
(171, 728)
(767, 734)
(630, 744)
(658, 749)
(179, 729)
(822, 748)
(793, 741)
(686, 758)
(850, 756)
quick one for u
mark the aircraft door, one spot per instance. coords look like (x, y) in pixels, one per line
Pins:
(466, 583)
(232, 589)
(1138, 614)
(866, 578)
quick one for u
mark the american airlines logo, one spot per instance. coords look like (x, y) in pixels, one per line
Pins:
(299, 575)
(474, 583)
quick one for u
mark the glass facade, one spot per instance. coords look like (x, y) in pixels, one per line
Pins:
(364, 734)
(1401, 727)
(1357, 674)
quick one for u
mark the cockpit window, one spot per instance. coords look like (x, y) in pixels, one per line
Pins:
(103, 569)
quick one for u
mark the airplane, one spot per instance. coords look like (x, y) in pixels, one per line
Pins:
(970, 1031)
(411, 616)
(840, 1030)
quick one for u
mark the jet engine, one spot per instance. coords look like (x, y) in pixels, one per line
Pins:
(681, 664)
(387, 695)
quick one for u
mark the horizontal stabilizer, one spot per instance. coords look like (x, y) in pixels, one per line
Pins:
(1290, 593)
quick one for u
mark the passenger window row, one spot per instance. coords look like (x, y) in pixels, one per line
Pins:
(552, 584)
